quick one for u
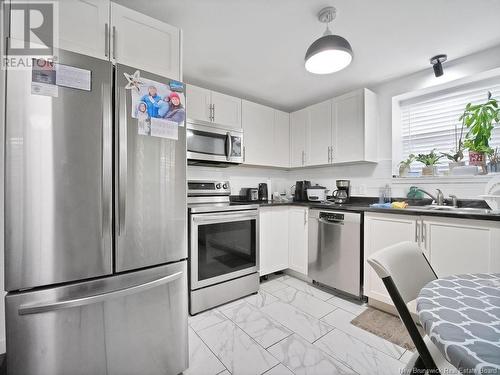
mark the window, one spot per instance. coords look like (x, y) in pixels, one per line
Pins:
(431, 121)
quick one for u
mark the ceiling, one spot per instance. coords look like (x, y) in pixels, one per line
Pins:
(255, 49)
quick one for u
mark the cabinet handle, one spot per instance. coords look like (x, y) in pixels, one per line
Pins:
(329, 154)
(211, 112)
(106, 40)
(305, 217)
(114, 42)
(213, 109)
(244, 153)
(424, 234)
(417, 232)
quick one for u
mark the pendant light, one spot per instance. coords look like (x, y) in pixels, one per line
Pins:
(330, 53)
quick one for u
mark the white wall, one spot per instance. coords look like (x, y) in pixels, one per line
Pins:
(243, 177)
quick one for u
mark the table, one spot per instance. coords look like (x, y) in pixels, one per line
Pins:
(461, 315)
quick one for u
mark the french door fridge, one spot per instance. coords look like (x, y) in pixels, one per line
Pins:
(95, 227)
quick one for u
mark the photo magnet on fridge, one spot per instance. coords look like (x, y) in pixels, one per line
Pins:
(158, 107)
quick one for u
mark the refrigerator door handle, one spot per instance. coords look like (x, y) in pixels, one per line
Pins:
(106, 150)
(122, 162)
(66, 304)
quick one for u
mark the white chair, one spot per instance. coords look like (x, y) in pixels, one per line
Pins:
(405, 271)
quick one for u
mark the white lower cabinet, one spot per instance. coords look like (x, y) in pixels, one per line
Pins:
(383, 230)
(273, 239)
(282, 239)
(456, 246)
(297, 247)
(452, 245)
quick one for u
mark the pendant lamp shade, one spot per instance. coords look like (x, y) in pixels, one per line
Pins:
(330, 53)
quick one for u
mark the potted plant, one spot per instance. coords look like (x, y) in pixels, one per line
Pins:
(404, 166)
(456, 155)
(429, 160)
(479, 119)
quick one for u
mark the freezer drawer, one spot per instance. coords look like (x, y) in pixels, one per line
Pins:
(151, 219)
(58, 178)
(134, 323)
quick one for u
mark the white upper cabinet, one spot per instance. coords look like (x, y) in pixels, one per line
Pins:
(258, 128)
(281, 139)
(298, 129)
(145, 43)
(226, 110)
(319, 133)
(198, 103)
(212, 107)
(354, 127)
(84, 27)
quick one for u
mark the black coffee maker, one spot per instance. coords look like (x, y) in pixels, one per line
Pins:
(343, 192)
(263, 196)
(301, 191)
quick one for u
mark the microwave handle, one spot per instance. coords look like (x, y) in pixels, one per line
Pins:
(229, 146)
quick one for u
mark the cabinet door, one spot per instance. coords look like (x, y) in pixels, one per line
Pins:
(383, 230)
(456, 246)
(297, 227)
(258, 123)
(298, 127)
(319, 133)
(145, 43)
(82, 26)
(273, 228)
(348, 127)
(281, 139)
(226, 110)
(197, 103)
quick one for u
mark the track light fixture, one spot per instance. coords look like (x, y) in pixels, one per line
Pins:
(437, 64)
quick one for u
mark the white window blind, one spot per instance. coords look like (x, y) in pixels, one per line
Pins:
(431, 121)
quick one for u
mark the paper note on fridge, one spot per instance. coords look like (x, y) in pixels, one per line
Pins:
(164, 129)
(70, 76)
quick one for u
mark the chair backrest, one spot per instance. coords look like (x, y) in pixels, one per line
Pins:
(404, 270)
(406, 265)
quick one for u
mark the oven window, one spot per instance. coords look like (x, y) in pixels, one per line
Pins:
(226, 247)
(206, 143)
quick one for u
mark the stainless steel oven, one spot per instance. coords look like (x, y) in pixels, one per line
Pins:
(210, 145)
(223, 246)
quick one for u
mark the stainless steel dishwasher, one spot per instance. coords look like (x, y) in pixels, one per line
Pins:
(335, 251)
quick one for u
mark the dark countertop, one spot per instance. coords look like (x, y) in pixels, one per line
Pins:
(362, 204)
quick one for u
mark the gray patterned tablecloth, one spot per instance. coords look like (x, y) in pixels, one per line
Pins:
(461, 315)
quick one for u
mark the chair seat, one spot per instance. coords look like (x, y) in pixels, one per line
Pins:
(443, 365)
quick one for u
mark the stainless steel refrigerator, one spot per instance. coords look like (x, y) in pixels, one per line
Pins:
(95, 229)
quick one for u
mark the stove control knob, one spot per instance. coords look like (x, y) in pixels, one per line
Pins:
(224, 186)
(218, 186)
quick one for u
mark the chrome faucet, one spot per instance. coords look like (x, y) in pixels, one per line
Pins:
(454, 200)
(439, 198)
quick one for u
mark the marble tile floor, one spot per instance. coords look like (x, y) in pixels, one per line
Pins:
(289, 327)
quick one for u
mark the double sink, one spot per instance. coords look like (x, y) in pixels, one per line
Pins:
(458, 210)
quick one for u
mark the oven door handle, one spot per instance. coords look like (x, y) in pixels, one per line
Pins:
(203, 218)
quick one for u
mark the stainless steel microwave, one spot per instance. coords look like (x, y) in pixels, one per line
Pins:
(214, 146)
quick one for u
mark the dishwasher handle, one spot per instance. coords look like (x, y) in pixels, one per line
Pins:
(330, 222)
